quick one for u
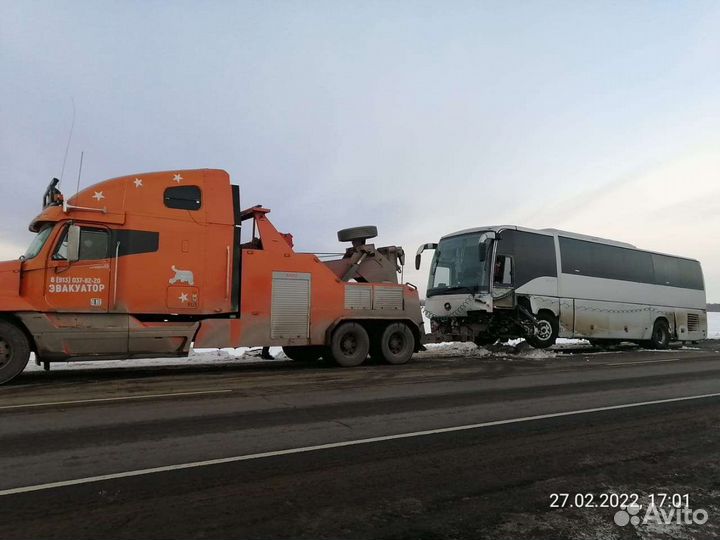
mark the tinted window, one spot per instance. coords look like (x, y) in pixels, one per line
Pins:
(612, 262)
(183, 197)
(533, 255)
(674, 272)
(135, 242)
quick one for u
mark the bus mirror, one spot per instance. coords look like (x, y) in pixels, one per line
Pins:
(482, 247)
(489, 235)
(73, 243)
(418, 255)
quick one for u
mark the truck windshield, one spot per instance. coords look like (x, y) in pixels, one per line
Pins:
(38, 242)
(460, 265)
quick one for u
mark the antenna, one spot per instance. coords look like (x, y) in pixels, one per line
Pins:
(79, 172)
(67, 147)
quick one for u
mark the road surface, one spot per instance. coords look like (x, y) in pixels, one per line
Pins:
(442, 448)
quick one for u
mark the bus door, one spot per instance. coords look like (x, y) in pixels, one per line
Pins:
(503, 282)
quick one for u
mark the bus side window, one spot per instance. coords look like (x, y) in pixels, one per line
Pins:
(503, 274)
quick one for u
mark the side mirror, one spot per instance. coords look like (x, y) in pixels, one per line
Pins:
(484, 238)
(489, 235)
(73, 246)
(418, 255)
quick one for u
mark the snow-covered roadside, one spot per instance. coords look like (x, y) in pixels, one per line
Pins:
(244, 355)
(713, 325)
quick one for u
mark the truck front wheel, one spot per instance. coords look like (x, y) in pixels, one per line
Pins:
(14, 351)
(349, 345)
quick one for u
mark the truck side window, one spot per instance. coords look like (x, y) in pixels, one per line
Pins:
(94, 245)
(183, 197)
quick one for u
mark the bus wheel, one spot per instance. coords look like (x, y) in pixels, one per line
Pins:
(397, 344)
(14, 351)
(546, 331)
(660, 338)
(307, 353)
(349, 345)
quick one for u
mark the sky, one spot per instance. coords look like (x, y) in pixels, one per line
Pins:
(419, 117)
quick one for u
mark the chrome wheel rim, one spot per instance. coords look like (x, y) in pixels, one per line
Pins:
(543, 330)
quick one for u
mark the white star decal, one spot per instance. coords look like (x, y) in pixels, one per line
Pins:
(183, 297)
(177, 178)
(138, 183)
(98, 195)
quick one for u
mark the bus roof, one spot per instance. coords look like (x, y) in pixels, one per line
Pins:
(559, 232)
(549, 232)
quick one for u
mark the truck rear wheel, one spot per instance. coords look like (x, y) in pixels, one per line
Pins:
(397, 343)
(307, 353)
(14, 351)
(349, 345)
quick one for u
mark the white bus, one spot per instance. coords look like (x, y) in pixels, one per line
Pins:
(502, 282)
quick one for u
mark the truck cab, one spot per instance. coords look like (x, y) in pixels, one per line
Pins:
(145, 265)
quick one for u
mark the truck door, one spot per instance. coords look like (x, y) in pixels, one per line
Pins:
(82, 286)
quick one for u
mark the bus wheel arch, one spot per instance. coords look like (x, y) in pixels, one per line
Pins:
(660, 337)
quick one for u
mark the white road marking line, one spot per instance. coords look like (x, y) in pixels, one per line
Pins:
(289, 451)
(122, 398)
(646, 362)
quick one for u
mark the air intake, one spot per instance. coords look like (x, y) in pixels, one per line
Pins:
(693, 322)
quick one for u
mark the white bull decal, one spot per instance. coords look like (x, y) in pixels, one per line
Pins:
(182, 276)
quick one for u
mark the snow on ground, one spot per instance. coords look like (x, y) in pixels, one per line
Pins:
(242, 355)
(245, 355)
(713, 325)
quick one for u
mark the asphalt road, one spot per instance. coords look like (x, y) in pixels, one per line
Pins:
(440, 448)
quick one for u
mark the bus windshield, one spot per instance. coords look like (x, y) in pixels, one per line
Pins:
(38, 242)
(461, 265)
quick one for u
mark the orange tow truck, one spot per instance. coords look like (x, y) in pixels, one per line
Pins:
(147, 265)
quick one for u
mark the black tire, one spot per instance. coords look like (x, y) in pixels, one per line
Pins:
(660, 338)
(546, 331)
(357, 233)
(14, 351)
(349, 345)
(397, 344)
(306, 353)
